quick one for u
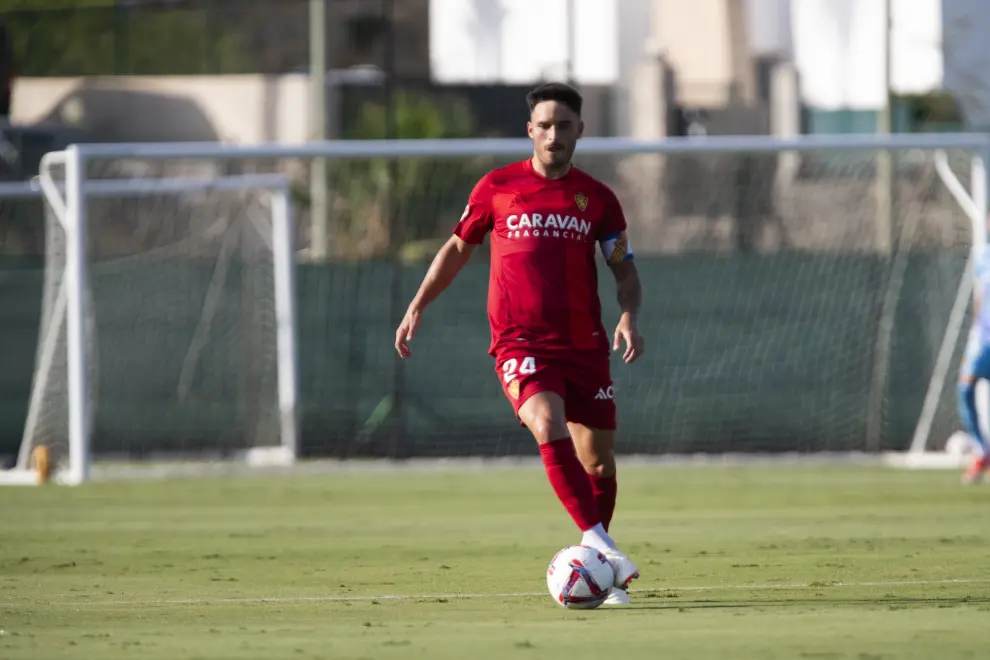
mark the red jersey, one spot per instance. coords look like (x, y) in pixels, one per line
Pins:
(543, 285)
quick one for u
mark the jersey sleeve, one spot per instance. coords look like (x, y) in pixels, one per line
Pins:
(612, 235)
(478, 218)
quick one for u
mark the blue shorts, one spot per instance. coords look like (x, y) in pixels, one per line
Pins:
(976, 360)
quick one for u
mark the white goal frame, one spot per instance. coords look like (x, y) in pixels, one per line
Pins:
(71, 212)
(67, 202)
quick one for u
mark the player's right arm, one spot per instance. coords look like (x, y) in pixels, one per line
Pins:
(476, 221)
(448, 262)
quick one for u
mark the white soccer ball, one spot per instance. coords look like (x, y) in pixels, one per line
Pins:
(579, 577)
(959, 445)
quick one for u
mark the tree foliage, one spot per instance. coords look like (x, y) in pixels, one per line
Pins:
(386, 204)
(93, 37)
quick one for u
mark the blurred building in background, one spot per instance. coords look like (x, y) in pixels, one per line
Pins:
(238, 70)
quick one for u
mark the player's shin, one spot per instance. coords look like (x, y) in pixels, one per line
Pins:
(605, 490)
(571, 484)
(970, 418)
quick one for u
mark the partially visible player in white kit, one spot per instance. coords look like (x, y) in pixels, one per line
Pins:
(976, 367)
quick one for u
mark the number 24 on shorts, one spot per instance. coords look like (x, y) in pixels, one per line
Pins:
(525, 368)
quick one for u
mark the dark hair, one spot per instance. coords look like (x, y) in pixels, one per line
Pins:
(555, 91)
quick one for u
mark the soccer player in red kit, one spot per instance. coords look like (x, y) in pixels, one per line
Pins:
(551, 350)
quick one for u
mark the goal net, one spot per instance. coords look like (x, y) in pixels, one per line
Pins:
(178, 293)
(800, 296)
(796, 300)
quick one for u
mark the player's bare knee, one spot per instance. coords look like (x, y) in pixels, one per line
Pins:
(544, 416)
(545, 427)
(595, 448)
(600, 465)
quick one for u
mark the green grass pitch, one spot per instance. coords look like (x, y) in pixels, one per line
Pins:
(738, 562)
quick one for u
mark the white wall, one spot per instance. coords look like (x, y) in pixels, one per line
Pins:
(633, 29)
(839, 50)
(522, 41)
(247, 109)
(769, 27)
(836, 45)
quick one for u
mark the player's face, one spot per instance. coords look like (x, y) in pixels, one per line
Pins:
(554, 129)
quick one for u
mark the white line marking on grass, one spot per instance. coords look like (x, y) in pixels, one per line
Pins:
(247, 600)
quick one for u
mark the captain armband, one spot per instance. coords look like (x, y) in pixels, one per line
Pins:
(616, 248)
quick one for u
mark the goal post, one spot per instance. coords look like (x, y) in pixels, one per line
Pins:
(61, 406)
(976, 205)
(784, 313)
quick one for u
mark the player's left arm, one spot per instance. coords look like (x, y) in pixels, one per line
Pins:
(629, 293)
(618, 253)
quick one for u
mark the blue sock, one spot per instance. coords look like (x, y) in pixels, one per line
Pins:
(969, 417)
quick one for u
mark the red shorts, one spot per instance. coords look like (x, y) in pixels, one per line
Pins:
(583, 381)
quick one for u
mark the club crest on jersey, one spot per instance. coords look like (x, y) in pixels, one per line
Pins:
(514, 389)
(581, 200)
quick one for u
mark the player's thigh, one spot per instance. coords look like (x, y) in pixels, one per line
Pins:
(976, 364)
(535, 388)
(595, 448)
(981, 365)
(543, 415)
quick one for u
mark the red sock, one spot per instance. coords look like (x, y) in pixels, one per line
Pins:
(605, 489)
(570, 482)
